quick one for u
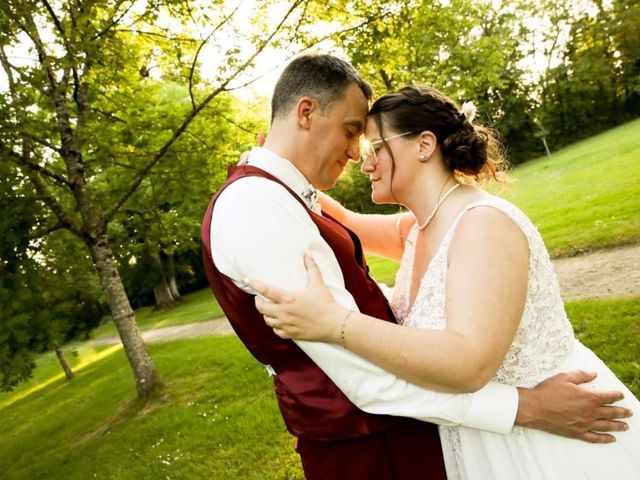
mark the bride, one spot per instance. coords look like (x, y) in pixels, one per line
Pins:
(476, 293)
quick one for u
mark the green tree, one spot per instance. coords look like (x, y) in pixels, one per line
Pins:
(465, 48)
(79, 122)
(46, 300)
(595, 84)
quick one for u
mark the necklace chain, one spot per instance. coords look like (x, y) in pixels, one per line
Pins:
(437, 207)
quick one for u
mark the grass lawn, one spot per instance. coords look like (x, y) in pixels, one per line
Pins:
(216, 419)
(611, 328)
(587, 195)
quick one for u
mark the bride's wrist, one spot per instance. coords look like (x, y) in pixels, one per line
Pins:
(339, 320)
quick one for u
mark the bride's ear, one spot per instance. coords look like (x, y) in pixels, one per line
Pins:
(427, 146)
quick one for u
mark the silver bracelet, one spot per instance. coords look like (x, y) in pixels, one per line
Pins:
(344, 326)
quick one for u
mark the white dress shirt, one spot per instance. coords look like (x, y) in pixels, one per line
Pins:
(261, 232)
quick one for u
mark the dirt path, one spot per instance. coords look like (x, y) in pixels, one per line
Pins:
(603, 274)
(219, 326)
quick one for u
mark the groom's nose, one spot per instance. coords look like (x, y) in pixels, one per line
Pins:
(353, 152)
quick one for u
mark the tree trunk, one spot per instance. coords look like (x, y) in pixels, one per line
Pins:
(163, 295)
(68, 373)
(546, 147)
(171, 275)
(173, 286)
(162, 291)
(144, 371)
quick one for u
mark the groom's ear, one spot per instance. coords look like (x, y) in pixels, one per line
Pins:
(304, 109)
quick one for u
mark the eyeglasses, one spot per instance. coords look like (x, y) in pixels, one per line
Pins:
(368, 149)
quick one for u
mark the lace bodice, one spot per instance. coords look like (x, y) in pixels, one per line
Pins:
(544, 337)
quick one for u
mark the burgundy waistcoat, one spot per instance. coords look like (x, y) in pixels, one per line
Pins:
(311, 404)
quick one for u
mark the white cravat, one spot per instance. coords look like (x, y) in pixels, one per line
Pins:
(260, 232)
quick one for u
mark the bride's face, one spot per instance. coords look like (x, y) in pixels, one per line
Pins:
(387, 182)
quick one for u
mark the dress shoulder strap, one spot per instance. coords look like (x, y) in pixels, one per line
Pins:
(506, 207)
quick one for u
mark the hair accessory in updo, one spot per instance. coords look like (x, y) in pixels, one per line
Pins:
(470, 151)
(469, 111)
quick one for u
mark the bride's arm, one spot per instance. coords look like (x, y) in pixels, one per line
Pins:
(486, 289)
(381, 235)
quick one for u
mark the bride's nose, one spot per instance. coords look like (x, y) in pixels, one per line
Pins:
(368, 165)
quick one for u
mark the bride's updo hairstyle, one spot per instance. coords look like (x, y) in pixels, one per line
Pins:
(471, 151)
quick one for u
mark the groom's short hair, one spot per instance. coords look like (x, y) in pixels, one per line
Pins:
(322, 77)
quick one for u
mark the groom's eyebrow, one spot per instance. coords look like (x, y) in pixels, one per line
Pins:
(355, 123)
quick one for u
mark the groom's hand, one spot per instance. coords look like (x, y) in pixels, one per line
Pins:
(559, 405)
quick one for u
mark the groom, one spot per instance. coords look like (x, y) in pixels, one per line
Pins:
(350, 417)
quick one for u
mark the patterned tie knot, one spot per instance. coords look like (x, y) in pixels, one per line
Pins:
(311, 196)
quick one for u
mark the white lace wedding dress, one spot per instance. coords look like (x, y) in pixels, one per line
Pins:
(543, 346)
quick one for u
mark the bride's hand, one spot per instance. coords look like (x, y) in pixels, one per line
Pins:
(309, 314)
(244, 156)
(325, 201)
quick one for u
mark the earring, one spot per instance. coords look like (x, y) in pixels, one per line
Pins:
(422, 158)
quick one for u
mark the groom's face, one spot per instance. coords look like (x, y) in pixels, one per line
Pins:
(335, 137)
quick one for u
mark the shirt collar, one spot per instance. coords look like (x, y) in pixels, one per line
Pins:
(282, 169)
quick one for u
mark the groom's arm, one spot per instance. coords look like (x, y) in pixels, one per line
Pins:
(262, 233)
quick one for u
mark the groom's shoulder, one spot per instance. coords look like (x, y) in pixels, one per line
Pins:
(254, 196)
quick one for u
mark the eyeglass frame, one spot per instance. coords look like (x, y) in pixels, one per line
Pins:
(382, 140)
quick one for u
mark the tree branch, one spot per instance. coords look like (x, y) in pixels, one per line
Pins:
(111, 211)
(195, 58)
(237, 124)
(308, 47)
(155, 34)
(37, 234)
(114, 22)
(109, 115)
(7, 68)
(32, 31)
(64, 218)
(24, 161)
(56, 22)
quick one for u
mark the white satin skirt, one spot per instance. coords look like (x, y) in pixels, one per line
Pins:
(535, 455)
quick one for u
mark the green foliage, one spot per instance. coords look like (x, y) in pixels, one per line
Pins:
(45, 300)
(467, 49)
(162, 219)
(112, 133)
(383, 269)
(353, 190)
(472, 51)
(597, 82)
